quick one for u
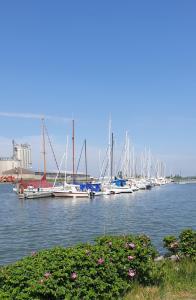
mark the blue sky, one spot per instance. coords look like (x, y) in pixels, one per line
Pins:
(135, 60)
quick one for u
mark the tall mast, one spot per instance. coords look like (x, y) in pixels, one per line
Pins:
(44, 145)
(149, 163)
(109, 147)
(66, 156)
(73, 149)
(50, 142)
(133, 162)
(112, 157)
(100, 162)
(85, 159)
(126, 156)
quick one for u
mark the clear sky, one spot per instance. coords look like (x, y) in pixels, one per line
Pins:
(135, 60)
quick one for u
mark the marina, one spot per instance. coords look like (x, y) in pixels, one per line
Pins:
(98, 150)
(112, 179)
(30, 225)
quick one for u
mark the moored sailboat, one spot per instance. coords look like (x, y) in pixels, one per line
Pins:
(71, 190)
(38, 189)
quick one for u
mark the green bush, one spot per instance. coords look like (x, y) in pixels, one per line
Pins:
(104, 270)
(184, 245)
(187, 245)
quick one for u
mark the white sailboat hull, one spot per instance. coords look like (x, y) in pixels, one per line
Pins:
(71, 194)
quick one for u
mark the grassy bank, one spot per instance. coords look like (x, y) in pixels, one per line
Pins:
(179, 283)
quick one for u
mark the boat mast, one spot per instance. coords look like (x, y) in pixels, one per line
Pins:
(50, 142)
(73, 150)
(66, 156)
(44, 145)
(125, 165)
(109, 148)
(100, 162)
(133, 162)
(112, 157)
(85, 153)
(149, 163)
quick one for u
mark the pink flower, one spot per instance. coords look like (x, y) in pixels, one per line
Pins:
(131, 273)
(131, 245)
(47, 275)
(110, 243)
(130, 257)
(100, 261)
(74, 276)
(33, 253)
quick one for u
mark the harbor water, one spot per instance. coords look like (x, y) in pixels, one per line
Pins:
(31, 225)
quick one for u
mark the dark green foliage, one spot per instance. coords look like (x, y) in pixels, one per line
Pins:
(184, 245)
(187, 245)
(105, 270)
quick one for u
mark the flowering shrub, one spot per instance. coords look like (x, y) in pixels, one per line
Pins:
(184, 245)
(104, 270)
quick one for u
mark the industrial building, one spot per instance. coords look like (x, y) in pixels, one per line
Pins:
(8, 163)
(21, 158)
(22, 153)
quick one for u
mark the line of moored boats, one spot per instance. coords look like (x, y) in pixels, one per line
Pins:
(86, 190)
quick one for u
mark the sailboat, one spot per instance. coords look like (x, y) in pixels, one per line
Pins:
(40, 189)
(113, 186)
(71, 190)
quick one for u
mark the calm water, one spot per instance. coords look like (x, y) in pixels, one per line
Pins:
(27, 225)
